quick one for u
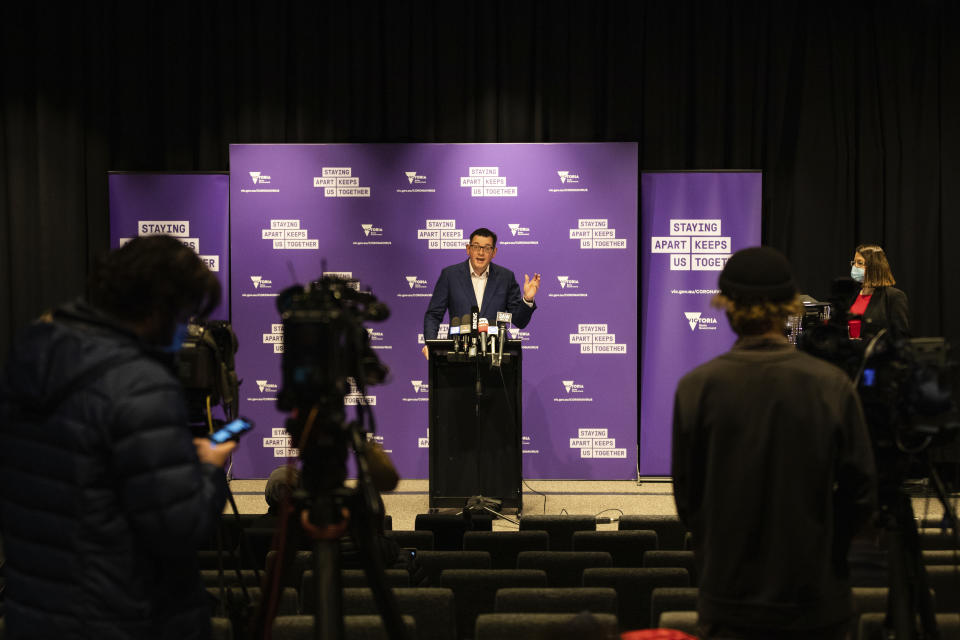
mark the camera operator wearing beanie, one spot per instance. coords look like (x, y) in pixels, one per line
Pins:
(104, 494)
(773, 470)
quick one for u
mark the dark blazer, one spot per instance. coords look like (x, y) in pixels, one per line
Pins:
(454, 293)
(888, 309)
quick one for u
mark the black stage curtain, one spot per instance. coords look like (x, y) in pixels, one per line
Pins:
(850, 108)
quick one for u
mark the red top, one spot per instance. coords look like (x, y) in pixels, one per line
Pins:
(858, 308)
(656, 634)
(860, 305)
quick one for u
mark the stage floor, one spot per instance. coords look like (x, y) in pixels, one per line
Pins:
(575, 497)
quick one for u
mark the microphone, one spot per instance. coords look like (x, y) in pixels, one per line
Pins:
(483, 326)
(464, 332)
(503, 318)
(455, 331)
(492, 332)
(474, 319)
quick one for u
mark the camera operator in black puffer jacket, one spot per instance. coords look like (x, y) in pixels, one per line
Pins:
(104, 494)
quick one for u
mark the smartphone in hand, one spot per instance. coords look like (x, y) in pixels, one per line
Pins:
(231, 431)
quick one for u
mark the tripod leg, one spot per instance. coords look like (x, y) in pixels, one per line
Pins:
(949, 516)
(900, 601)
(918, 578)
(909, 597)
(328, 623)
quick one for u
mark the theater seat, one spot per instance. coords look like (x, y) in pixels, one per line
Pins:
(429, 564)
(475, 590)
(563, 568)
(355, 628)
(663, 599)
(431, 608)
(627, 548)
(524, 626)
(671, 534)
(419, 540)
(562, 600)
(559, 528)
(288, 604)
(448, 528)
(671, 558)
(504, 546)
(634, 589)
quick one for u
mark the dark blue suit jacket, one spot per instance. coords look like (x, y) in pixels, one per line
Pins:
(454, 293)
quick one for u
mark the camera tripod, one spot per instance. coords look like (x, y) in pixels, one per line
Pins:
(325, 510)
(910, 611)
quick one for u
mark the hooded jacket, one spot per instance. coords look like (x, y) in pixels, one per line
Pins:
(103, 500)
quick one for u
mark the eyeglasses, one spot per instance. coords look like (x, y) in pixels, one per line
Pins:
(858, 263)
(482, 248)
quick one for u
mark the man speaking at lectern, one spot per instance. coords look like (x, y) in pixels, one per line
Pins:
(478, 282)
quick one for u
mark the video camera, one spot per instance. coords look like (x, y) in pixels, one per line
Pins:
(327, 352)
(205, 367)
(906, 388)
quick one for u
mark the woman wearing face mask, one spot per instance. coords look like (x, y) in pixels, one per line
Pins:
(881, 305)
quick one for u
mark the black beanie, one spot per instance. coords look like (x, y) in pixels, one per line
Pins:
(757, 274)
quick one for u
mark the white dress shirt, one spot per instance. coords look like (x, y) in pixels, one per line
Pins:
(480, 283)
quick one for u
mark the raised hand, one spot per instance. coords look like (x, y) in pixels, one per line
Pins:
(530, 286)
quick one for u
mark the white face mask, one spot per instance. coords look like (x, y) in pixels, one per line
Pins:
(857, 273)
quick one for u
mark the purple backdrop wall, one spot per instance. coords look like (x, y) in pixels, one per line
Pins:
(191, 206)
(393, 216)
(691, 222)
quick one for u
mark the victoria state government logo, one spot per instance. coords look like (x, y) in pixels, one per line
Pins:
(266, 391)
(415, 282)
(573, 392)
(569, 288)
(416, 183)
(267, 387)
(372, 235)
(260, 282)
(569, 181)
(420, 392)
(696, 320)
(259, 177)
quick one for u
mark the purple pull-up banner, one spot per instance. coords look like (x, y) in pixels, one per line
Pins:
(692, 222)
(392, 216)
(193, 207)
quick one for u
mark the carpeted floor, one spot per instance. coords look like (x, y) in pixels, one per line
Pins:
(576, 497)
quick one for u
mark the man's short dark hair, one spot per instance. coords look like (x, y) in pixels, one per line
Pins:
(150, 274)
(483, 232)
